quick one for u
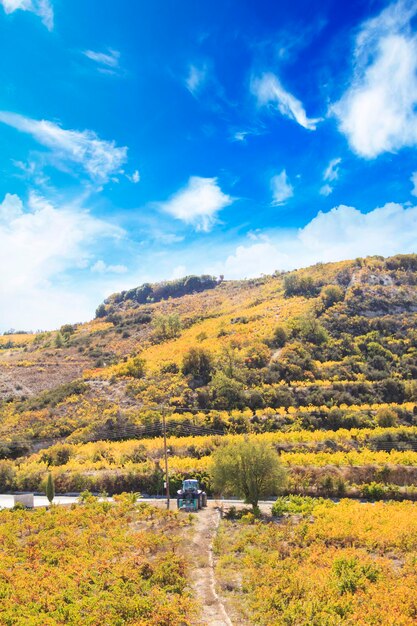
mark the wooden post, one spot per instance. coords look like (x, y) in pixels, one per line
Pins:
(166, 456)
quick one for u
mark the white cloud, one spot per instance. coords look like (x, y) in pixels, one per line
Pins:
(178, 272)
(196, 78)
(109, 59)
(282, 189)
(326, 190)
(134, 178)
(198, 203)
(258, 258)
(377, 113)
(342, 233)
(42, 8)
(41, 245)
(106, 62)
(240, 135)
(414, 181)
(99, 158)
(11, 208)
(269, 91)
(331, 172)
(100, 267)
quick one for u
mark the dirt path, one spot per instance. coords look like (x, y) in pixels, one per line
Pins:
(213, 612)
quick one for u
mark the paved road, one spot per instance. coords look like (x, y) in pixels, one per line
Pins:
(7, 501)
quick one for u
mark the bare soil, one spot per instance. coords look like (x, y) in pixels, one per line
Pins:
(213, 612)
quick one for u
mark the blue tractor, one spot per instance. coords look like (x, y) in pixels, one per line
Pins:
(190, 497)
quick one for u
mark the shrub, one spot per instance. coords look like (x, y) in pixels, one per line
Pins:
(331, 294)
(198, 364)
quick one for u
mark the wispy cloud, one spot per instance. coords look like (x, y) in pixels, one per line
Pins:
(107, 62)
(342, 233)
(42, 8)
(270, 92)
(134, 178)
(100, 267)
(282, 189)
(377, 113)
(99, 158)
(326, 190)
(196, 78)
(198, 203)
(414, 181)
(330, 175)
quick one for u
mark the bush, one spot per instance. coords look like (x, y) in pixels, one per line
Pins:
(331, 294)
(134, 367)
(296, 505)
(295, 285)
(279, 337)
(386, 417)
(198, 364)
(167, 326)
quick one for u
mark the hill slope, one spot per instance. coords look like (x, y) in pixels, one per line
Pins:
(236, 353)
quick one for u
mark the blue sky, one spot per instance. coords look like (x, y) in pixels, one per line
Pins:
(143, 141)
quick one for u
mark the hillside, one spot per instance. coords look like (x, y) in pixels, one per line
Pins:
(330, 350)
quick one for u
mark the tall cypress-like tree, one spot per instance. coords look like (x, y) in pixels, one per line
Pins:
(50, 488)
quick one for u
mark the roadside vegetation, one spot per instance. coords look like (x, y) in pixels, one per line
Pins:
(93, 563)
(323, 563)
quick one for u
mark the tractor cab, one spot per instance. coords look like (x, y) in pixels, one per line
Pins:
(190, 497)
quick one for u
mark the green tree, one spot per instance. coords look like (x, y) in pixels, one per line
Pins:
(198, 364)
(227, 392)
(167, 326)
(331, 294)
(50, 488)
(279, 337)
(308, 328)
(101, 311)
(249, 469)
(59, 340)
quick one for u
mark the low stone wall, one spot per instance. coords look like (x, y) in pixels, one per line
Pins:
(26, 499)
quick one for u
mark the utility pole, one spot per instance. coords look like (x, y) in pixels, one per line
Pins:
(166, 456)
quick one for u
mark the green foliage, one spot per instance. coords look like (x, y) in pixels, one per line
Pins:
(386, 417)
(167, 326)
(352, 575)
(55, 396)
(309, 329)
(248, 469)
(67, 329)
(198, 364)
(168, 289)
(296, 505)
(298, 285)
(257, 356)
(227, 393)
(331, 294)
(59, 340)
(134, 367)
(50, 488)
(101, 311)
(279, 337)
(378, 491)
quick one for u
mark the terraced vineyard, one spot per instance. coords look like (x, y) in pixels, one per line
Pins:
(322, 362)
